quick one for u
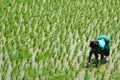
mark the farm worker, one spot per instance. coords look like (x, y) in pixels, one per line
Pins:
(99, 46)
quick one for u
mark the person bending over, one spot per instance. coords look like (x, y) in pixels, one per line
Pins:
(99, 46)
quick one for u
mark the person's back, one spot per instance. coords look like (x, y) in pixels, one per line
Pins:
(107, 38)
(104, 46)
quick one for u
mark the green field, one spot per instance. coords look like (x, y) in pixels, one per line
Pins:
(49, 39)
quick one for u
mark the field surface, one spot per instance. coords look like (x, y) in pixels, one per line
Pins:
(49, 39)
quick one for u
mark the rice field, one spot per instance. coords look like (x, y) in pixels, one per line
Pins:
(49, 39)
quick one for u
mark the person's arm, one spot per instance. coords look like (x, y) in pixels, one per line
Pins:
(89, 58)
